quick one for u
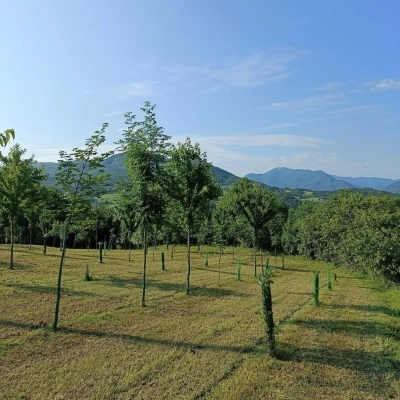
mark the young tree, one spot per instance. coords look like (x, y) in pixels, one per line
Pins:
(259, 206)
(192, 186)
(79, 177)
(146, 148)
(20, 181)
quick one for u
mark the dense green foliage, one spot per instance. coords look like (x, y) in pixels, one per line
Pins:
(20, 183)
(350, 229)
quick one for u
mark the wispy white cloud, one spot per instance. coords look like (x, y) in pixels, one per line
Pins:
(142, 89)
(213, 89)
(252, 71)
(110, 114)
(327, 86)
(382, 85)
(284, 125)
(355, 110)
(241, 163)
(310, 103)
(253, 140)
(234, 152)
(287, 125)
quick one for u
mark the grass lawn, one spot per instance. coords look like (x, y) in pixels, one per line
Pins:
(208, 345)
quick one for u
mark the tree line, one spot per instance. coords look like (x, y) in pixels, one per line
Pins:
(170, 194)
(349, 229)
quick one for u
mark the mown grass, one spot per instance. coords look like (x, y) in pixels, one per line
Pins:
(207, 345)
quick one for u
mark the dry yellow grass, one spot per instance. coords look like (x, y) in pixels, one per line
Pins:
(207, 345)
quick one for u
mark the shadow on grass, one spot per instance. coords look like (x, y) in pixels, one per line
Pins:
(253, 349)
(164, 342)
(353, 277)
(372, 365)
(50, 289)
(294, 269)
(171, 287)
(301, 293)
(17, 266)
(15, 324)
(360, 328)
(370, 287)
(208, 269)
(368, 308)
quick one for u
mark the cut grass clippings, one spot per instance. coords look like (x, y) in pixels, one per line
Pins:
(210, 344)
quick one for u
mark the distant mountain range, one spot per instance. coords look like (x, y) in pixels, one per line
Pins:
(114, 165)
(291, 185)
(321, 181)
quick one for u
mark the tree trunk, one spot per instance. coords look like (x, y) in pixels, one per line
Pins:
(233, 252)
(268, 318)
(45, 244)
(154, 247)
(30, 237)
(12, 244)
(144, 268)
(255, 262)
(188, 262)
(129, 256)
(219, 266)
(59, 279)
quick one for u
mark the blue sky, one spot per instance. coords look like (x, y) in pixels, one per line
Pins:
(259, 84)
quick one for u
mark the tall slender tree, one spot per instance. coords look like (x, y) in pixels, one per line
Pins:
(192, 186)
(146, 149)
(80, 177)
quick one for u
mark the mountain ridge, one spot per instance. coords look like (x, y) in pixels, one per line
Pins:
(300, 179)
(321, 181)
(324, 185)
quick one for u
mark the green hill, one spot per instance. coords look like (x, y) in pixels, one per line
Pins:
(290, 195)
(300, 179)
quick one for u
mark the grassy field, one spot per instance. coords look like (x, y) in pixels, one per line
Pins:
(208, 345)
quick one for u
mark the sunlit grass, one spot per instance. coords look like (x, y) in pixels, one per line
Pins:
(209, 344)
